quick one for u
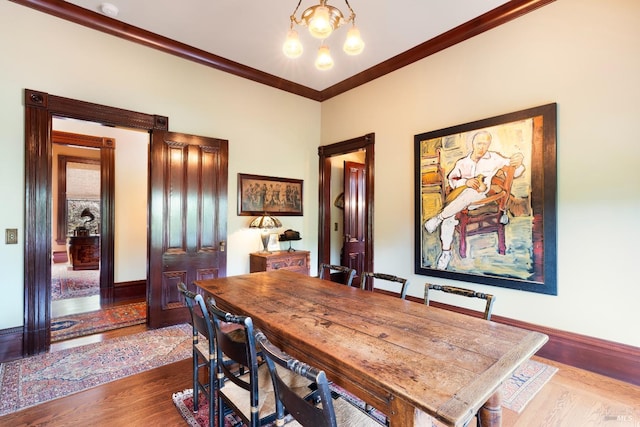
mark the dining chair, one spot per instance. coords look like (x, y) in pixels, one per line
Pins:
(203, 347)
(323, 410)
(347, 274)
(250, 395)
(469, 293)
(368, 284)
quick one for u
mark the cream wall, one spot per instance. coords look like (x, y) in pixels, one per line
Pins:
(265, 127)
(582, 54)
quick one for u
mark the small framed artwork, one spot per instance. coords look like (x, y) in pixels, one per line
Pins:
(258, 195)
(274, 243)
(485, 196)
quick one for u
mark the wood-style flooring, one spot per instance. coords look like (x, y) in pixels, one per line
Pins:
(573, 398)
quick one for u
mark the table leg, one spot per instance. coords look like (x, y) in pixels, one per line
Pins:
(491, 412)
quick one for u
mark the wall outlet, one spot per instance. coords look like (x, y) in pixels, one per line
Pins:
(11, 236)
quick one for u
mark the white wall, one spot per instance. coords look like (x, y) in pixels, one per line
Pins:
(582, 54)
(265, 127)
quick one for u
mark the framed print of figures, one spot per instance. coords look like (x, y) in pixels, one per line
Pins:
(258, 195)
(485, 194)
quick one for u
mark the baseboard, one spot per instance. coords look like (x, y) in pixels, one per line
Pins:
(133, 290)
(608, 358)
(60, 257)
(10, 344)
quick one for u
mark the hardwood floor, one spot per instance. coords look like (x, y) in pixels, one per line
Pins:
(572, 398)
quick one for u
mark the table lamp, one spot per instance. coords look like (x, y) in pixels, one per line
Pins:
(265, 223)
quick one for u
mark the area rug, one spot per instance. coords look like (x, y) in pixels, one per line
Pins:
(517, 391)
(525, 383)
(37, 379)
(93, 322)
(66, 283)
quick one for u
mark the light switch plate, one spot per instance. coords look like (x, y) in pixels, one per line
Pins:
(11, 236)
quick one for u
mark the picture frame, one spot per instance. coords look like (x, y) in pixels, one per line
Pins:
(485, 201)
(274, 243)
(259, 194)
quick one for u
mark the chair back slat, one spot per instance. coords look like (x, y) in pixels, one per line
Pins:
(469, 293)
(347, 272)
(368, 284)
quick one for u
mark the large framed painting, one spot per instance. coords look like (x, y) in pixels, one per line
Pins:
(258, 195)
(485, 194)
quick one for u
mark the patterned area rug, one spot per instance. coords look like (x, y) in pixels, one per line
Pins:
(93, 322)
(66, 283)
(517, 391)
(37, 379)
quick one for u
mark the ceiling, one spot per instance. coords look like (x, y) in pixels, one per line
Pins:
(249, 33)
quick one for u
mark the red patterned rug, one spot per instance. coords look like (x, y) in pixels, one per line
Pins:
(67, 283)
(517, 391)
(93, 322)
(33, 380)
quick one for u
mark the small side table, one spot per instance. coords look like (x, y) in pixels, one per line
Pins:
(297, 261)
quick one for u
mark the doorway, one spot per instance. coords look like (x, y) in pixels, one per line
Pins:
(87, 295)
(40, 109)
(328, 154)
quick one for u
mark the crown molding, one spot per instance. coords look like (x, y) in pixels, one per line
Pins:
(494, 18)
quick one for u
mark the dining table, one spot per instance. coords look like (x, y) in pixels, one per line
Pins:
(410, 361)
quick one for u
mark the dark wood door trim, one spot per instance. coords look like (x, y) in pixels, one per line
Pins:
(40, 108)
(366, 143)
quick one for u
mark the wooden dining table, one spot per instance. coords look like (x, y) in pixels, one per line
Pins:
(406, 359)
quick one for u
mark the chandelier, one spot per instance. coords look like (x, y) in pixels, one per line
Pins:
(322, 20)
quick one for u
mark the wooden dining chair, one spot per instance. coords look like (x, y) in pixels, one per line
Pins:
(368, 282)
(346, 273)
(469, 293)
(203, 347)
(323, 410)
(250, 395)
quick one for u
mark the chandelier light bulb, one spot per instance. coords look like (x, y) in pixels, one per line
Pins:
(353, 45)
(324, 60)
(292, 47)
(320, 25)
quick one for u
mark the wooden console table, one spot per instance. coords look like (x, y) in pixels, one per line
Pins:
(297, 261)
(84, 252)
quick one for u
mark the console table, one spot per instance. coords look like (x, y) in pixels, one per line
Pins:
(297, 261)
(84, 252)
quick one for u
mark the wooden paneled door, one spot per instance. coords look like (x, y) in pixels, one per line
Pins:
(188, 219)
(353, 248)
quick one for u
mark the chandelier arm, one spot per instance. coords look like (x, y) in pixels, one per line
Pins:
(293, 15)
(352, 14)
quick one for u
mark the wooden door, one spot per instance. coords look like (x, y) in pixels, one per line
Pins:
(188, 219)
(355, 210)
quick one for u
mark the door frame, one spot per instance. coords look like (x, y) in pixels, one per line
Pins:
(40, 108)
(325, 152)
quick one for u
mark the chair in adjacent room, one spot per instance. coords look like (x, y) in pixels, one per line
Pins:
(346, 273)
(469, 293)
(250, 395)
(368, 283)
(323, 410)
(204, 352)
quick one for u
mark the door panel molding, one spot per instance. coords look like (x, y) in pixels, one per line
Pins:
(187, 219)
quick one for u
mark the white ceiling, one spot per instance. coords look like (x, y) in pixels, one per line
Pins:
(251, 32)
